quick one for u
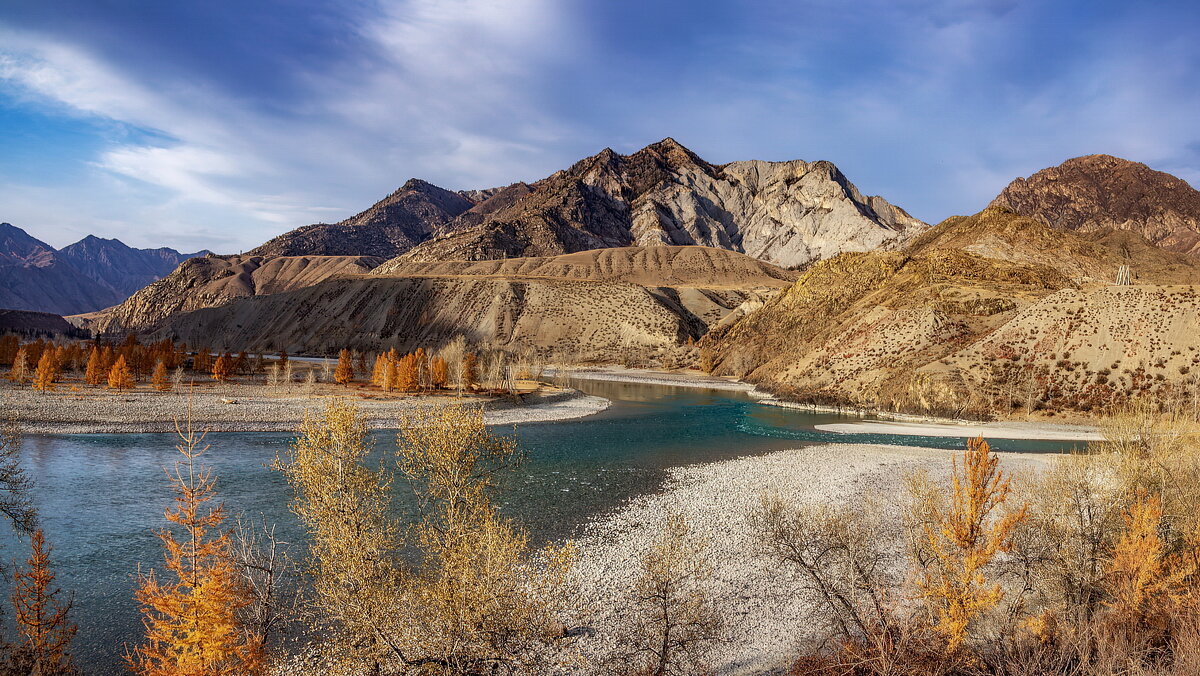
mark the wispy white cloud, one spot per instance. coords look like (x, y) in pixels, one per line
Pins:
(414, 101)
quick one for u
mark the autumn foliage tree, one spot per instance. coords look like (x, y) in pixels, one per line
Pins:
(42, 614)
(470, 371)
(344, 373)
(119, 377)
(160, 380)
(964, 539)
(191, 612)
(96, 371)
(222, 368)
(344, 505)
(438, 375)
(408, 376)
(47, 370)
(19, 372)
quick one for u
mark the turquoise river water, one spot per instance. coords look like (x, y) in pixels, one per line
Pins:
(101, 496)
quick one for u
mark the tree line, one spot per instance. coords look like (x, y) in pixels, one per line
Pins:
(45, 365)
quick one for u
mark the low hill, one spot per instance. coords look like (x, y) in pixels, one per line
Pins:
(598, 306)
(211, 281)
(650, 266)
(28, 323)
(1102, 192)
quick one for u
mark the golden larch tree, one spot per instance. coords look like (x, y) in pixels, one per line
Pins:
(965, 539)
(191, 613)
(408, 376)
(438, 375)
(19, 372)
(202, 362)
(470, 371)
(344, 373)
(391, 374)
(160, 380)
(222, 368)
(379, 370)
(119, 377)
(47, 370)
(41, 614)
(95, 373)
(1142, 576)
(344, 504)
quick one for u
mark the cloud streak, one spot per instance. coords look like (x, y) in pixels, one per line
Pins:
(935, 104)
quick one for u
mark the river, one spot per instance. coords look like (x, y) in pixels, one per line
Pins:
(101, 496)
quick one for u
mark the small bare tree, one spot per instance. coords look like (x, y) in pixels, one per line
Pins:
(841, 556)
(673, 622)
(267, 569)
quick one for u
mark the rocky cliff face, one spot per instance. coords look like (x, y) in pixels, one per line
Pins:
(787, 213)
(390, 227)
(1099, 192)
(211, 281)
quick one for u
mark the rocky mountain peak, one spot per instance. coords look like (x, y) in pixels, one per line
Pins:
(1102, 192)
(788, 213)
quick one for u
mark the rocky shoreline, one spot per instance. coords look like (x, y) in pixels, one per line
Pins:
(256, 408)
(766, 619)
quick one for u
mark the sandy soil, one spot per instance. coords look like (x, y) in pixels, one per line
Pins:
(998, 430)
(766, 621)
(242, 407)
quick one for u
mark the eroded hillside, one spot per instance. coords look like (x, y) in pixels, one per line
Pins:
(599, 306)
(212, 281)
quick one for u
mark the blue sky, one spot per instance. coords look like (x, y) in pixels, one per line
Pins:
(222, 123)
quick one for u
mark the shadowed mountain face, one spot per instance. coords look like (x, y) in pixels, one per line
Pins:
(1102, 192)
(121, 267)
(89, 275)
(389, 228)
(33, 276)
(787, 213)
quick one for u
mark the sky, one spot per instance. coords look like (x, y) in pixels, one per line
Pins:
(221, 123)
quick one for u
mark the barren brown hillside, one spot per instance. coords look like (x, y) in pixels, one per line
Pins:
(1083, 350)
(653, 266)
(215, 280)
(1102, 192)
(592, 306)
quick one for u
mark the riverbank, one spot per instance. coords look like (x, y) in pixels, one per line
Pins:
(886, 423)
(766, 619)
(996, 430)
(252, 407)
(680, 378)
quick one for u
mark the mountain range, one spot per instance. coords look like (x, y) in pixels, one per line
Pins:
(783, 274)
(88, 275)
